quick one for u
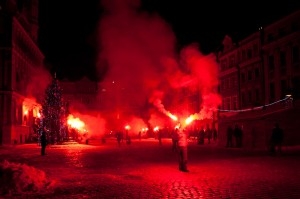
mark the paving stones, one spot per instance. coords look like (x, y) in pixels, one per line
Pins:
(146, 170)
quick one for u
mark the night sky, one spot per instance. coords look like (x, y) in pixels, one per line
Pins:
(68, 28)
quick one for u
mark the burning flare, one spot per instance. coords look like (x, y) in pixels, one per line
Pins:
(173, 117)
(75, 123)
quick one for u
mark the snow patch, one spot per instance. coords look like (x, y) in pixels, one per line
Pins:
(20, 178)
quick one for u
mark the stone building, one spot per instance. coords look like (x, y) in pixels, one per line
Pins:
(260, 83)
(19, 53)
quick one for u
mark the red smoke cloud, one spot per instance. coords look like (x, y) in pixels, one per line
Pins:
(38, 81)
(95, 125)
(205, 70)
(139, 50)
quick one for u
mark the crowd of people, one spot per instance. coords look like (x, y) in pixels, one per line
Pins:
(235, 138)
(236, 134)
(209, 133)
(181, 135)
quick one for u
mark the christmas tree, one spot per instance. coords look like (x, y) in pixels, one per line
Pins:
(53, 113)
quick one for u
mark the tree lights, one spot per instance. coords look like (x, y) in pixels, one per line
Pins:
(53, 113)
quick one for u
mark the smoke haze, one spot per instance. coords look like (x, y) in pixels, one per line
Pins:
(139, 50)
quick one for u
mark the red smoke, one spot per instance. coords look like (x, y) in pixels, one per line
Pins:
(94, 125)
(205, 70)
(139, 50)
(38, 81)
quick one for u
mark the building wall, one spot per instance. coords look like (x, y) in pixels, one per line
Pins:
(281, 58)
(266, 65)
(257, 125)
(267, 69)
(229, 76)
(18, 53)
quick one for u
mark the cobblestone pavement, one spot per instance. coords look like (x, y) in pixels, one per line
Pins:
(146, 170)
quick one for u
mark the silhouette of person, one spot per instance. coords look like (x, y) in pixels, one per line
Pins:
(128, 140)
(229, 136)
(276, 139)
(201, 136)
(182, 150)
(238, 133)
(208, 133)
(215, 133)
(119, 138)
(254, 137)
(159, 135)
(174, 139)
(43, 142)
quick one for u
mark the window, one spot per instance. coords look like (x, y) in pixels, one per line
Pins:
(295, 26)
(231, 61)
(257, 97)
(282, 58)
(243, 55)
(227, 103)
(243, 77)
(234, 82)
(271, 63)
(283, 62)
(256, 71)
(226, 83)
(283, 88)
(224, 64)
(255, 50)
(295, 54)
(249, 53)
(249, 96)
(230, 83)
(270, 37)
(281, 32)
(272, 92)
(243, 98)
(234, 103)
(249, 75)
(222, 85)
(296, 87)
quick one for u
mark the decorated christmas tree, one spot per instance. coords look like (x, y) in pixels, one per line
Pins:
(53, 113)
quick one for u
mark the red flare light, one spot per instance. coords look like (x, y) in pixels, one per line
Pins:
(190, 119)
(75, 123)
(173, 117)
(144, 129)
(127, 127)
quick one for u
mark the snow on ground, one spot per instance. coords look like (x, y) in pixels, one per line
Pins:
(20, 178)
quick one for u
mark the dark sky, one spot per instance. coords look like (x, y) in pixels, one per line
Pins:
(68, 27)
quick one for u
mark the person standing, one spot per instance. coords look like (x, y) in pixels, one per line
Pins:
(159, 135)
(208, 133)
(175, 140)
(215, 133)
(229, 136)
(182, 149)
(238, 133)
(43, 142)
(276, 139)
(201, 136)
(119, 137)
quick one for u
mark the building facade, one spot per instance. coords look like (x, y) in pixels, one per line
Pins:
(18, 53)
(257, 75)
(281, 44)
(263, 67)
